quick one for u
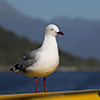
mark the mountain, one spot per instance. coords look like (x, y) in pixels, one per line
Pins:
(81, 36)
(89, 44)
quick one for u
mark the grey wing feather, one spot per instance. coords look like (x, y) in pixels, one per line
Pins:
(27, 61)
(23, 65)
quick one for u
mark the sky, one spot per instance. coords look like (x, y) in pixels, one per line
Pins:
(49, 9)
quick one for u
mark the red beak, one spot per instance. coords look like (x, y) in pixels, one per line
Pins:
(60, 33)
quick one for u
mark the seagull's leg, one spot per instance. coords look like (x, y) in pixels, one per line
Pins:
(45, 89)
(36, 85)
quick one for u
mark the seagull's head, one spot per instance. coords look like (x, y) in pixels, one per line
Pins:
(53, 30)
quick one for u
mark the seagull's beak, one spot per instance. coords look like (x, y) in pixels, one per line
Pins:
(60, 33)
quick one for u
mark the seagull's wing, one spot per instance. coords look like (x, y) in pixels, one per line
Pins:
(28, 60)
(26, 63)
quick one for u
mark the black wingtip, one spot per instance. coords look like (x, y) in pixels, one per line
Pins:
(16, 66)
(12, 69)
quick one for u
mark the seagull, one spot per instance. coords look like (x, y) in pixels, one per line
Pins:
(42, 61)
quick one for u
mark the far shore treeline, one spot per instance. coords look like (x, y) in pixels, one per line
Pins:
(13, 47)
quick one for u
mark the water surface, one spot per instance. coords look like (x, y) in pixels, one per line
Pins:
(58, 81)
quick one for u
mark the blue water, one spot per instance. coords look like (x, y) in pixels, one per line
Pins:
(58, 81)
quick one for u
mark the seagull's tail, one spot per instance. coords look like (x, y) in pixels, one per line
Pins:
(15, 68)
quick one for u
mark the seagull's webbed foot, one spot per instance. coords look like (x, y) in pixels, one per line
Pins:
(36, 92)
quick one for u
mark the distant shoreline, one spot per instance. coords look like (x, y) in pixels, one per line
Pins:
(60, 68)
(4, 68)
(81, 68)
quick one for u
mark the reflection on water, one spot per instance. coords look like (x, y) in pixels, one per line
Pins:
(58, 81)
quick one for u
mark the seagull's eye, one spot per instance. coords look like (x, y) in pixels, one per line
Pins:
(52, 29)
